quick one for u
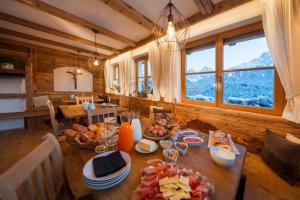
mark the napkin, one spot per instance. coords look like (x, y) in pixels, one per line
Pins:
(108, 164)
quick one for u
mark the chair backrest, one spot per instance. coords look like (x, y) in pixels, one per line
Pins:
(101, 114)
(104, 97)
(80, 100)
(115, 101)
(38, 175)
(151, 115)
(201, 126)
(52, 117)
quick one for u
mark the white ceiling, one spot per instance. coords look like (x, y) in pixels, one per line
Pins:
(94, 11)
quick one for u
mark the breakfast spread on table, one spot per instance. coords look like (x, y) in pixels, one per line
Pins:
(161, 180)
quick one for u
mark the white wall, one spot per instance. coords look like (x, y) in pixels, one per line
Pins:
(12, 85)
(64, 81)
(7, 124)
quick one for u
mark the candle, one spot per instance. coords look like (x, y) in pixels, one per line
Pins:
(92, 99)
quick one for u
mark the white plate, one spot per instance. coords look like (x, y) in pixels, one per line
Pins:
(139, 149)
(106, 187)
(95, 185)
(106, 181)
(88, 169)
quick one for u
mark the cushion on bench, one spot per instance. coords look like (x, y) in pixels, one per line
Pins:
(282, 156)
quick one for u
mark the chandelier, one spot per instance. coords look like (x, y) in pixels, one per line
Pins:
(94, 62)
(171, 30)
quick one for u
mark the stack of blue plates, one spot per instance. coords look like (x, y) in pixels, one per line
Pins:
(105, 182)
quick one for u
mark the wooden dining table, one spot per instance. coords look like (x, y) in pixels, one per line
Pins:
(73, 101)
(225, 180)
(77, 111)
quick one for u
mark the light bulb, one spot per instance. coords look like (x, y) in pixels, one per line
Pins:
(170, 29)
(96, 62)
(78, 70)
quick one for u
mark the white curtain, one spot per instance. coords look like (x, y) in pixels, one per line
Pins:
(281, 21)
(108, 76)
(170, 76)
(126, 74)
(155, 64)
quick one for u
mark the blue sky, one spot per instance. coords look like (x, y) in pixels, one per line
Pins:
(233, 55)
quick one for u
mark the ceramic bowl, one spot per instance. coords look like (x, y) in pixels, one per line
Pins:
(223, 157)
(181, 147)
(170, 155)
(165, 144)
(193, 141)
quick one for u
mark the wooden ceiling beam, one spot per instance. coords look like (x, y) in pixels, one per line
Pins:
(218, 8)
(28, 45)
(206, 7)
(46, 41)
(46, 29)
(76, 20)
(131, 13)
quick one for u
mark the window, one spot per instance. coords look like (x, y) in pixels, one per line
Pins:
(232, 70)
(248, 71)
(116, 72)
(143, 77)
(201, 72)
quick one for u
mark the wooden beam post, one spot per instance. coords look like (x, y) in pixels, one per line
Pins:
(29, 79)
(131, 13)
(75, 19)
(46, 29)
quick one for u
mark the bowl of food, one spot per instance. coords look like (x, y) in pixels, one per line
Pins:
(181, 147)
(223, 157)
(156, 132)
(189, 133)
(193, 141)
(166, 144)
(170, 155)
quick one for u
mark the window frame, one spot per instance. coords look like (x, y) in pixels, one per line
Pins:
(145, 59)
(219, 72)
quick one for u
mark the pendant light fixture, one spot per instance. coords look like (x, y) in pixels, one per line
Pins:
(94, 62)
(78, 69)
(171, 30)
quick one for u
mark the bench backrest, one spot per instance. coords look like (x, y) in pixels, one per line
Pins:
(39, 175)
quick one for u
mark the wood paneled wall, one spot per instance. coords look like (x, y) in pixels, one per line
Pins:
(245, 127)
(45, 60)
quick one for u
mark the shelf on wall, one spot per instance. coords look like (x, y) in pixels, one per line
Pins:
(14, 115)
(12, 72)
(12, 95)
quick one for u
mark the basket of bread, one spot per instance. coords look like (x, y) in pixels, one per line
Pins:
(220, 139)
(91, 136)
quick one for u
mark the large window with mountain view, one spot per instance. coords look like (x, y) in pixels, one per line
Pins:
(232, 70)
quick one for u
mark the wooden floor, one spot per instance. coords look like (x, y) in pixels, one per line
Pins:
(261, 182)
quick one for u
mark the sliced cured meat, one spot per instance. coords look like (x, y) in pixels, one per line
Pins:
(157, 169)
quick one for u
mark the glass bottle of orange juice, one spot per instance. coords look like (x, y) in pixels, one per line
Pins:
(125, 138)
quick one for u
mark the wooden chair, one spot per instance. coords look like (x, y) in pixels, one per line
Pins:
(58, 128)
(101, 113)
(115, 101)
(80, 100)
(200, 126)
(39, 175)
